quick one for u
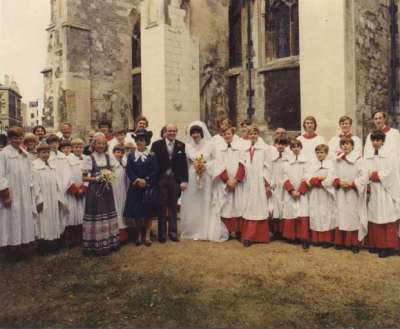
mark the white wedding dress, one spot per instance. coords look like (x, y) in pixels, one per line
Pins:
(198, 218)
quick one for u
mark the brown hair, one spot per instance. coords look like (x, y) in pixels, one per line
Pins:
(231, 129)
(376, 112)
(295, 142)
(52, 138)
(310, 118)
(141, 118)
(322, 147)
(345, 118)
(15, 132)
(222, 119)
(346, 140)
(77, 141)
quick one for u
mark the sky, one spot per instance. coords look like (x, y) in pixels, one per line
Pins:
(23, 43)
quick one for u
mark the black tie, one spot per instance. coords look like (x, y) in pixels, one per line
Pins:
(229, 145)
(376, 152)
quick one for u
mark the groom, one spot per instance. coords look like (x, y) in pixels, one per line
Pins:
(172, 177)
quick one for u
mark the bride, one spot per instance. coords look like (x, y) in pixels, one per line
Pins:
(198, 221)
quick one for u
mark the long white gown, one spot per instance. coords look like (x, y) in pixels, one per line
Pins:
(322, 200)
(258, 171)
(309, 145)
(48, 193)
(351, 204)
(76, 207)
(120, 190)
(200, 202)
(278, 165)
(17, 224)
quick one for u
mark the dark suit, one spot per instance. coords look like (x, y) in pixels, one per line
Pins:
(172, 171)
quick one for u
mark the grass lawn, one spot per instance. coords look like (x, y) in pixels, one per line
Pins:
(203, 285)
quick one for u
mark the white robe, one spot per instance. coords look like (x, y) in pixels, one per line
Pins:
(229, 159)
(309, 145)
(322, 199)
(258, 172)
(48, 194)
(120, 190)
(351, 207)
(219, 142)
(384, 200)
(17, 224)
(294, 171)
(76, 207)
(196, 199)
(278, 166)
(59, 162)
(391, 147)
(335, 150)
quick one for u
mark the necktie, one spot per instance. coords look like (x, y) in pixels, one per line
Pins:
(229, 145)
(376, 152)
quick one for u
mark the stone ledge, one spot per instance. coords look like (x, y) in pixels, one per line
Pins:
(76, 26)
(281, 63)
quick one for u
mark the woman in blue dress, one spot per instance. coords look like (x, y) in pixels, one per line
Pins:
(141, 169)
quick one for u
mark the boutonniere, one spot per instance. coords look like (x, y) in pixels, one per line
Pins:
(180, 152)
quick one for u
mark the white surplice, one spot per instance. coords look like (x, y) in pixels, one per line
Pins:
(351, 207)
(120, 190)
(295, 173)
(76, 206)
(48, 194)
(335, 150)
(384, 200)
(278, 176)
(322, 199)
(17, 224)
(309, 145)
(257, 161)
(391, 147)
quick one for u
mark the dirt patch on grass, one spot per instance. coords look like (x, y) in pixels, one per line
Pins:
(200, 284)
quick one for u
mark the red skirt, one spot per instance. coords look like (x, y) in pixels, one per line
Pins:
(123, 235)
(232, 224)
(383, 236)
(323, 237)
(255, 230)
(347, 238)
(298, 228)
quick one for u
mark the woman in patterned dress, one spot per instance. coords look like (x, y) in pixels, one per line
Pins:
(100, 223)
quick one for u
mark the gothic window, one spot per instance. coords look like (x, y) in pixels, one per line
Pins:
(282, 28)
(282, 95)
(136, 57)
(235, 33)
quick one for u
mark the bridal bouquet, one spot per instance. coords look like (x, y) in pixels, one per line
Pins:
(105, 177)
(200, 167)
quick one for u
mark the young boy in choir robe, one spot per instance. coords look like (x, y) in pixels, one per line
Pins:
(17, 224)
(65, 147)
(231, 173)
(118, 140)
(320, 177)
(120, 188)
(75, 196)
(257, 191)
(350, 181)
(47, 199)
(58, 160)
(310, 139)
(295, 223)
(335, 149)
(383, 207)
(278, 164)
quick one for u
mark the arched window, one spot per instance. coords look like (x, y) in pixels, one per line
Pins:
(282, 28)
(235, 33)
(136, 57)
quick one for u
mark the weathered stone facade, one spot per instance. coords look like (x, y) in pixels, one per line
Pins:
(341, 65)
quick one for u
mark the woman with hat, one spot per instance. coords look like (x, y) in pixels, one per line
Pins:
(141, 169)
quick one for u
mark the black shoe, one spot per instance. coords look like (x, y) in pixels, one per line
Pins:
(162, 240)
(247, 243)
(373, 250)
(306, 245)
(355, 250)
(339, 247)
(325, 245)
(237, 236)
(383, 253)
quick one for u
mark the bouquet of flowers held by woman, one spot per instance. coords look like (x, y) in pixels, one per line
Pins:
(105, 177)
(200, 166)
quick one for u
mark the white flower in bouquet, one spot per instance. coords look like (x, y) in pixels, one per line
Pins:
(200, 166)
(106, 176)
